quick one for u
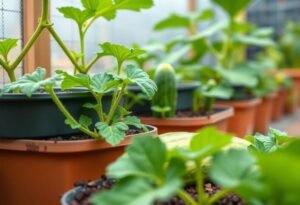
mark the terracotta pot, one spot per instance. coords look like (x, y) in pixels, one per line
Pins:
(264, 114)
(279, 103)
(219, 119)
(38, 172)
(294, 73)
(242, 123)
(291, 104)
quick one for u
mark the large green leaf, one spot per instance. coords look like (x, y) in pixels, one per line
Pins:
(7, 45)
(175, 56)
(134, 5)
(132, 191)
(73, 81)
(219, 92)
(92, 5)
(233, 169)
(233, 8)
(141, 159)
(253, 40)
(173, 21)
(104, 82)
(141, 78)
(208, 141)
(79, 16)
(30, 83)
(281, 173)
(236, 170)
(204, 15)
(133, 121)
(211, 30)
(239, 77)
(113, 134)
(121, 53)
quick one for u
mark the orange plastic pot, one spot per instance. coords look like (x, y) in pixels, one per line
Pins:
(263, 114)
(219, 119)
(291, 104)
(279, 104)
(294, 74)
(242, 123)
(36, 172)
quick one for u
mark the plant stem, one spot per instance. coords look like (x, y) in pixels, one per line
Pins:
(65, 49)
(45, 11)
(67, 114)
(12, 76)
(219, 195)
(186, 197)
(82, 48)
(4, 64)
(27, 47)
(99, 108)
(92, 62)
(116, 103)
(202, 198)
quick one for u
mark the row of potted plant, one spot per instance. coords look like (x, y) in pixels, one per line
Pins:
(70, 127)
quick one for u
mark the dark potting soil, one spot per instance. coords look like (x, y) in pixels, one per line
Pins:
(192, 114)
(131, 131)
(89, 188)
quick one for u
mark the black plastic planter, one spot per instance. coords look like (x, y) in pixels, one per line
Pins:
(38, 117)
(184, 98)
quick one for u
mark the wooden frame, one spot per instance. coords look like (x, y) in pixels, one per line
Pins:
(192, 5)
(40, 53)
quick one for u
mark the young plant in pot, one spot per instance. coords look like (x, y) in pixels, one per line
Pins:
(266, 89)
(286, 57)
(208, 171)
(87, 154)
(287, 93)
(232, 38)
(168, 119)
(46, 168)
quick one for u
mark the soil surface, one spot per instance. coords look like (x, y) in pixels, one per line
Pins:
(90, 188)
(190, 113)
(86, 137)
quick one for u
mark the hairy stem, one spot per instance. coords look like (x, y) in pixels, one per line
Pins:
(67, 114)
(92, 62)
(219, 195)
(199, 178)
(186, 197)
(66, 50)
(99, 108)
(12, 76)
(116, 103)
(82, 47)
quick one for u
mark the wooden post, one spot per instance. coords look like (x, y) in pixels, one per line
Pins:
(39, 55)
(192, 5)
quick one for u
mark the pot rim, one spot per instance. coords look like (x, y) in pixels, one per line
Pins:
(51, 146)
(226, 112)
(70, 94)
(241, 103)
(181, 86)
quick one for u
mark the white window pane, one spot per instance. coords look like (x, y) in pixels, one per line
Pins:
(127, 28)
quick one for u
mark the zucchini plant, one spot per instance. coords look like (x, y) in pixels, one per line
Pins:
(145, 177)
(111, 125)
(84, 19)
